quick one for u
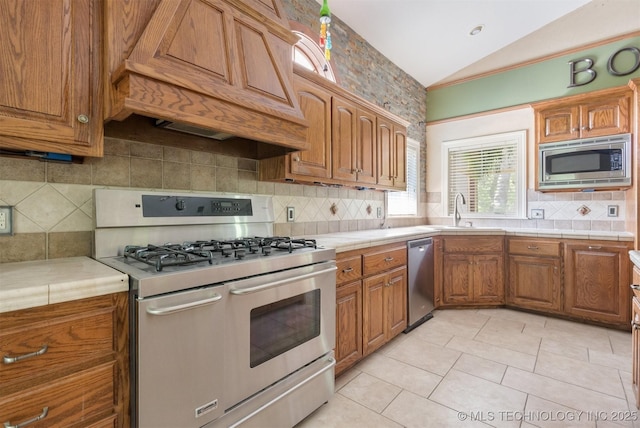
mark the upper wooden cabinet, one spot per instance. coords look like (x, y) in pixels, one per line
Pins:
(50, 99)
(584, 116)
(392, 155)
(223, 65)
(352, 142)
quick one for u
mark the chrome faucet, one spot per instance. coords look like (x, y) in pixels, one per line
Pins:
(456, 210)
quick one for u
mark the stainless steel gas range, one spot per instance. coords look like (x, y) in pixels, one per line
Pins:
(230, 326)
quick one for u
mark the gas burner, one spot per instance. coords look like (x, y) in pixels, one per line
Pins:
(167, 255)
(290, 244)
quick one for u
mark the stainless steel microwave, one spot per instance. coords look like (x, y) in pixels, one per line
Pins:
(586, 163)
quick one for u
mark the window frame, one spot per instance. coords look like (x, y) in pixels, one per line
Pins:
(411, 145)
(519, 139)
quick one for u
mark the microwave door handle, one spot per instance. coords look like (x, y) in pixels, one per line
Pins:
(273, 284)
(167, 310)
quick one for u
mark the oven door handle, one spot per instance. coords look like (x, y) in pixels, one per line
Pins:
(273, 284)
(184, 306)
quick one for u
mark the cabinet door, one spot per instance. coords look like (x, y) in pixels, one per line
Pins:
(315, 104)
(344, 131)
(385, 152)
(397, 302)
(597, 282)
(605, 117)
(400, 159)
(488, 278)
(51, 70)
(373, 307)
(366, 147)
(457, 279)
(348, 325)
(635, 346)
(534, 283)
(558, 124)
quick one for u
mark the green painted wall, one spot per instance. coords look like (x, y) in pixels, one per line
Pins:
(540, 81)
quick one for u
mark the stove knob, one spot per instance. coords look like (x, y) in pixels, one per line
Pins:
(266, 250)
(181, 205)
(240, 253)
(226, 252)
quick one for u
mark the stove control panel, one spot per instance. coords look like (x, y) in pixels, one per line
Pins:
(189, 206)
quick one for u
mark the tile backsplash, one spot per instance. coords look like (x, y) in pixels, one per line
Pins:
(53, 214)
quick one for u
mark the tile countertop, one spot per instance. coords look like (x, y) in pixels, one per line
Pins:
(635, 258)
(42, 282)
(346, 241)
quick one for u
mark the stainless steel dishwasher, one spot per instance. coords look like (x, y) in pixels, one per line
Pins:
(420, 267)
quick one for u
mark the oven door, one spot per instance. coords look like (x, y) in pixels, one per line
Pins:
(276, 324)
(178, 359)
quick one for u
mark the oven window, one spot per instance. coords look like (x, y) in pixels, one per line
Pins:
(283, 325)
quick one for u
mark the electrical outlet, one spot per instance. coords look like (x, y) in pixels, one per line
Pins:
(379, 212)
(6, 220)
(291, 214)
(537, 214)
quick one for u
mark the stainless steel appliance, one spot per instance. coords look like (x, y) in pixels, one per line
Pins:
(586, 163)
(230, 326)
(420, 272)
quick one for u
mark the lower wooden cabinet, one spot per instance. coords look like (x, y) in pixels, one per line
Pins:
(384, 308)
(472, 270)
(635, 346)
(596, 281)
(66, 363)
(534, 274)
(371, 301)
(348, 325)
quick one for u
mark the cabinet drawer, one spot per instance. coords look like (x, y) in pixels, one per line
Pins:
(34, 351)
(534, 248)
(379, 261)
(72, 401)
(349, 269)
(473, 244)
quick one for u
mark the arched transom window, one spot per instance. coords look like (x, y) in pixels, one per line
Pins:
(308, 54)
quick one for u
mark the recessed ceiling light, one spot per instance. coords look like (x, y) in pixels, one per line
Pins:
(476, 30)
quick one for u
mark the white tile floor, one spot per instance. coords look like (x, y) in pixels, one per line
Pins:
(489, 367)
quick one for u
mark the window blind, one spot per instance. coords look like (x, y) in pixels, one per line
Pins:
(406, 203)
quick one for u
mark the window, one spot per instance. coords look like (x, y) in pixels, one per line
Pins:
(308, 54)
(489, 171)
(406, 203)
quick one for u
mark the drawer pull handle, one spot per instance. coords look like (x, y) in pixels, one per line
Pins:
(635, 325)
(594, 247)
(533, 247)
(10, 360)
(388, 259)
(41, 416)
(347, 270)
(635, 287)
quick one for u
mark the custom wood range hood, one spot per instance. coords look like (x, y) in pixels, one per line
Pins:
(216, 65)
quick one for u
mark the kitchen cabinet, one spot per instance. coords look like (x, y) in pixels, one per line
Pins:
(472, 270)
(534, 274)
(384, 308)
(635, 335)
(354, 143)
(584, 116)
(392, 155)
(371, 301)
(221, 65)
(348, 312)
(51, 76)
(68, 358)
(344, 139)
(596, 281)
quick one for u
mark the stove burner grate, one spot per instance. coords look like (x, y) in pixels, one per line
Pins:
(167, 255)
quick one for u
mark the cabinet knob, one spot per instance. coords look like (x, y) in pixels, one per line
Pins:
(347, 270)
(575, 129)
(635, 287)
(585, 128)
(83, 118)
(296, 159)
(388, 259)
